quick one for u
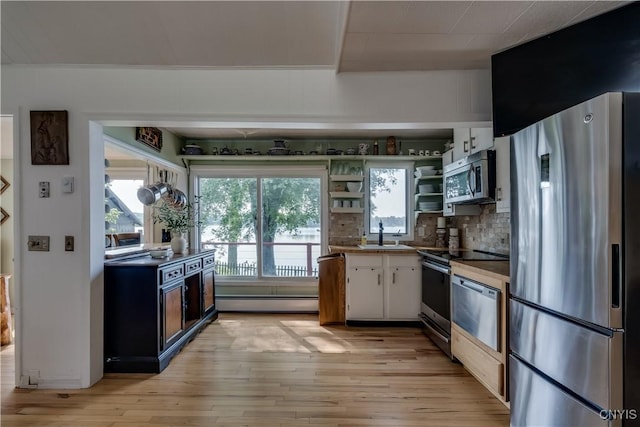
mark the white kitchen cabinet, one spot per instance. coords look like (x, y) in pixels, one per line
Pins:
(365, 288)
(467, 141)
(503, 174)
(383, 287)
(402, 287)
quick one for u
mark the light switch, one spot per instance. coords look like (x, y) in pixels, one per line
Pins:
(68, 243)
(67, 184)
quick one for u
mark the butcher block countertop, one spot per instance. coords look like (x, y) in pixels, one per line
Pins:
(355, 249)
(496, 269)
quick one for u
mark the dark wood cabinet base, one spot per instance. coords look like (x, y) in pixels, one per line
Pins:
(154, 307)
(155, 365)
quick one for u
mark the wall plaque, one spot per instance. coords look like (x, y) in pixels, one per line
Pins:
(150, 136)
(49, 138)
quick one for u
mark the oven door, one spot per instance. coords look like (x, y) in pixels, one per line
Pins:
(436, 295)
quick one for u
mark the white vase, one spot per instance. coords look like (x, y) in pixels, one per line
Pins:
(178, 243)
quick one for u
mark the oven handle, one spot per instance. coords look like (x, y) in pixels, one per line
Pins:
(436, 267)
(434, 330)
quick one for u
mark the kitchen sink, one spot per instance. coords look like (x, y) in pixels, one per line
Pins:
(385, 247)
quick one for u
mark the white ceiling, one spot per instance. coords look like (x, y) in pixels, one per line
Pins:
(348, 36)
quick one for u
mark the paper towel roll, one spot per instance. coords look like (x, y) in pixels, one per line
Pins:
(441, 222)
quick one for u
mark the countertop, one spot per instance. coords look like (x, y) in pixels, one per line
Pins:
(356, 249)
(496, 269)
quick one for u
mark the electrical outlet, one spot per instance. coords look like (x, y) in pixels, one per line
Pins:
(38, 243)
(69, 243)
(43, 189)
(420, 231)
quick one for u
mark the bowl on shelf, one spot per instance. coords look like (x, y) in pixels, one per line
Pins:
(354, 187)
(426, 188)
(422, 169)
(430, 206)
(421, 173)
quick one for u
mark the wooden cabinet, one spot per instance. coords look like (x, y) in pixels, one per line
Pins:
(153, 307)
(467, 141)
(383, 287)
(208, 290)
(488, 365)
(172, 314)
(503, 174)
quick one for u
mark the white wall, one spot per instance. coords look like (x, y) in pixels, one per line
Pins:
(61, 292)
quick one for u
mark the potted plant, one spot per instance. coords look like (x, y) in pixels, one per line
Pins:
(178, 220)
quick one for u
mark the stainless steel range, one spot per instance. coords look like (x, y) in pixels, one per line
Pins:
(435, 308)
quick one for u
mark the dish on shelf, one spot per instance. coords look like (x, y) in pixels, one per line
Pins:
(425, 168)
(426, 188)
(419, 173)
(430, 206)
(354, 187)
(278, 151)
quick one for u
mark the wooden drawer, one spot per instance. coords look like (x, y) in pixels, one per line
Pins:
(489, 371)
(208, 261)
(172, 273)
(192, 266)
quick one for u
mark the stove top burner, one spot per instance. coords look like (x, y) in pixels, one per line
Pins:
(444, 256)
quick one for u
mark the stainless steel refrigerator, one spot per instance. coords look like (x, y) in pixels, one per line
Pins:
(574, 304)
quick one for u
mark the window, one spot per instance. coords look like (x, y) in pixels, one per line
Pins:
(389, 201)
(123, 211)
(265, 229)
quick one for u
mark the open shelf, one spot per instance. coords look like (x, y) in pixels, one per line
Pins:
(297, 158)
(346, 210)
(428, 194)
(346, 195)
(351, 178)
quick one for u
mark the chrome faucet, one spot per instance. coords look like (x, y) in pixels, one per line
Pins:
(380, 228)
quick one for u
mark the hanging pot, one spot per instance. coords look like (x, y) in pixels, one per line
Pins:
(151, 193)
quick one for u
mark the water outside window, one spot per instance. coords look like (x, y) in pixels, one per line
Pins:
(388, 200)
(289, 209)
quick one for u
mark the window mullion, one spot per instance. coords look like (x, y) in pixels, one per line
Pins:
(259, 219)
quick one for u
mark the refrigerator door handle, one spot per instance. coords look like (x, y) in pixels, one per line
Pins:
(616, 279)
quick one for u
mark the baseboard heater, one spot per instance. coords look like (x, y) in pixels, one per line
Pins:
(267, 304)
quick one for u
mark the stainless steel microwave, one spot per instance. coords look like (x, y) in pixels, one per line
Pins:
(472, 179)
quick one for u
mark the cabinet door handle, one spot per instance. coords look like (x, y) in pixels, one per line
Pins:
(393, 279)
(473, 138)
(499, 191)
(378, 279)
(465, 146)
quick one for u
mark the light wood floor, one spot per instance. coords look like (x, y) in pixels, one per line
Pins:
(273, 370)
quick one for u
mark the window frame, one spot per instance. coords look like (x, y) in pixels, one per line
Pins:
(263, 171)
(409, 201)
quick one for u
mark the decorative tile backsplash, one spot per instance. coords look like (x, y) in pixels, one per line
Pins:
(489, 231)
